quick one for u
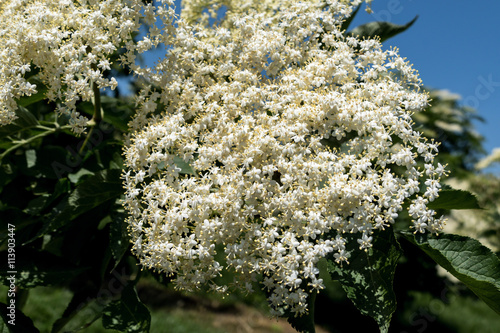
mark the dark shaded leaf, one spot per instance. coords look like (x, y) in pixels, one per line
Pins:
(305, 323)
(368, 277)
(38, 96)
(36, 205)
(127, 314)
(62, 187)
(52, 162)
(8, 172)
(84, 312)
(466, 259)
(25, 120)
(95, 190)
(118, 236)
(454, 199)
(90, 193)
(384, 30)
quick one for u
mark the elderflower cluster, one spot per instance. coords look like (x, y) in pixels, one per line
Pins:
(69, 43)
(255, 150)
(202, 11)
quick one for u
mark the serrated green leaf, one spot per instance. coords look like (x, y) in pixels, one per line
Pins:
(304, 323)
(466, 259)
(454, 199)
(23, 324)
(384, 30)
(96, 190)
(127, 314)
(368, 277)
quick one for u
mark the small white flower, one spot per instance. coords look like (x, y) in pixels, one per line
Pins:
(365, 242)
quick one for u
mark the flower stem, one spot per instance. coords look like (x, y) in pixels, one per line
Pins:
(97, 117)
(22, 142)
(97, 100)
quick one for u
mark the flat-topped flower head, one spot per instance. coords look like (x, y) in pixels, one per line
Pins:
(266, 143)
(69, 43)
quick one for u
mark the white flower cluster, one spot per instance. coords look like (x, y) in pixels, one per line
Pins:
(294, 135)
(69, 42)
(203, 11)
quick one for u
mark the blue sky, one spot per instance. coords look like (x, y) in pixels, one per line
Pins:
(454, 45)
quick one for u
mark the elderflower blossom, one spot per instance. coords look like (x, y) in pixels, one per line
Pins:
(69, 42)
(201, 11)
(268, 142)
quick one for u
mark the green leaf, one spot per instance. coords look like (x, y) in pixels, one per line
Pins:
(38, 96)
(466, 259)
(28, 100)
(52, 162)
(3, 326)
(119, 239)
(82, 311)
(36, 205)
(35, 268)
(127, 314)
(25, 120)
(75, 177)
(384, 30)
(304, 323)
(185, 167)
(368, 277)
(94, 191)
(41, 202)
(30, 158)
(454, 199)
(62, 187)
(23, 324)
